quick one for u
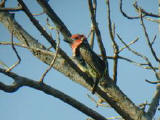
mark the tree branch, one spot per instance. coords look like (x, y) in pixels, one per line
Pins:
(114, 44)
(124, 14)
(138, 54)
(148, 41)
(19, 8)
(143, 11)
(22, 81)
(17, 55)
(154, 103)
(97, 31)
(55, 19)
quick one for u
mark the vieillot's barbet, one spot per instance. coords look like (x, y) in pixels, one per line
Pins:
(86, 59)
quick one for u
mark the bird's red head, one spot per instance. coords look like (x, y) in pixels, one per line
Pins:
(78, 39)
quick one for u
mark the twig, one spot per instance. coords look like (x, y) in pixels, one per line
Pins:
(138, 54)
(152, 20)
(92, 36)
(143, 65)
(28, 47)
(38, 14)
(139, 9)
(154, 39)
(4, 65)
(132, 42)
(55, 19)
(19, 8)
(36, 23)
(152, 82)
(53, 61)
(21, 81)
(15, 51)
(148, 41)
(114, 44)
(49, 25)
(124, 14)
(115, 118)
(98, 103)
(97, 32)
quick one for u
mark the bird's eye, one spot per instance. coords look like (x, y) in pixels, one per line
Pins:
(76, 37)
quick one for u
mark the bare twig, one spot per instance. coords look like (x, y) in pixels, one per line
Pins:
(98, 103)
(28, 47)
(19, 8)
(152, 82)
(15, 51)
(114, 44)
(49, 25)
(125, 15)
(92, 36)
(152, 20)
(92, 32)
(148, 41)
(97, 32)
(4, 65)
(132, 42)
(143, 65)
(38, 14)
(22, 81)
(115, 118)
(55, 19)
(154, 39)
(138, 54)
(36, 23)
(139, 9)
(53, 61)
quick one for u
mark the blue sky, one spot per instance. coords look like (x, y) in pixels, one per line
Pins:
(28, 103)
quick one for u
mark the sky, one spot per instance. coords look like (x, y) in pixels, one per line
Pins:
(28, 103)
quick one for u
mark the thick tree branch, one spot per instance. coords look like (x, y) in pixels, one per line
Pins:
(23, 81)
(154, 103)
(55, 19)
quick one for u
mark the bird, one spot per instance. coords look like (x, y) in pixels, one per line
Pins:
(86, 59)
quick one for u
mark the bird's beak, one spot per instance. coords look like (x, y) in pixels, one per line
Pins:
(68, 40)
